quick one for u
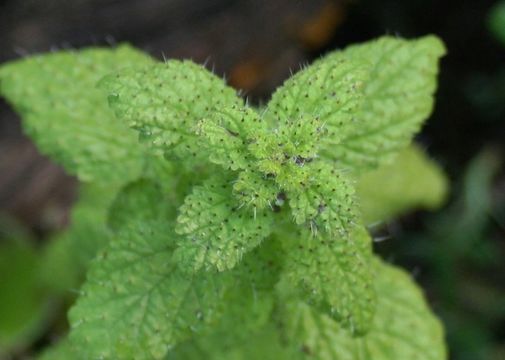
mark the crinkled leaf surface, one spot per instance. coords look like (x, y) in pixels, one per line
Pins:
(254, 190)
(398, 97)
(281, 153)
(68, 117)
(247, 307)
(217, 233)
(228, 132)
(325, 201)
(329, 90)
(165, 102)
(411, 181)
(403, 327)
(335, 274)
(135, 302)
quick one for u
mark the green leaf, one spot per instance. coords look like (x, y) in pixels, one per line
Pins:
(165, 102)
(263, 344)
(398, 97)
(175, 179)
(335, 275)
(247, 308)
(135, 302)
(325, 200)
(281, 153)
(135, 201)
(329, 90)
(68, 118)
(65, 259)
(23, 305)
(403, 326)
(254, 190)
(411, 181)
(217, 233)
(228, 132)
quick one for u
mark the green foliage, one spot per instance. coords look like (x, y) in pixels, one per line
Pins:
(217, 231)
(336, 276)
(165, 101)
(331, 90)
(325, 200)
(403, 327)
(420, 181)
(465, 239)
(66, 257)
(234, 229)
(398, 97)
(135, 301)
(68, 117)
(227, 132)
(248, 306)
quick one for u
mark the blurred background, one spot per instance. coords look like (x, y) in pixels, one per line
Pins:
(457, 254)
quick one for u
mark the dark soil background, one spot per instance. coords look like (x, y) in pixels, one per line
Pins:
(255, 43)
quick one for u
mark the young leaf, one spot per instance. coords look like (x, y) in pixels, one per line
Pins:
(254, 190)
(403, 326)
(136, 303)
(335, 276)
(68, 118)
(325, 201)
(411, 181)
(398, 97)
(227, 132)
(281, 153)
(329, 90)
(165, 102)
(217, 233)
